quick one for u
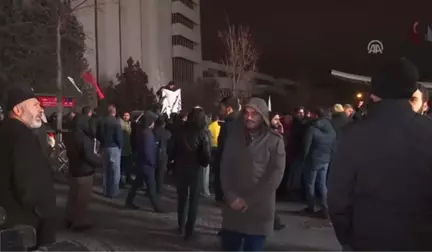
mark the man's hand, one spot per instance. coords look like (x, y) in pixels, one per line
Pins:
(239, 205)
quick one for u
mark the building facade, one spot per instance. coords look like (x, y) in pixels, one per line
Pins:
(253, 83)
(163, 35)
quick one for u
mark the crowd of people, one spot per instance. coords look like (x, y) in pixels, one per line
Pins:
(368, 165)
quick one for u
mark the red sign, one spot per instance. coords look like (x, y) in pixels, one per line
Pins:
(51, 101)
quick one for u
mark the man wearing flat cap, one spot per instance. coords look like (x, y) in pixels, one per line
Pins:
(26, 187)
(383, 200)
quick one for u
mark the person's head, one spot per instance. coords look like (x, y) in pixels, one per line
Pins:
(112, 111)
(321, 113)
(299, 113)
(23, 106)
(147, 121)
(395, 80)
(419, 100)
(171, 85)
(348, 109)
(215, 117)
(338, 108)
(160, 122)
(256, 114)
(126, 116)
(183, 116)
(275, 119)
(228, 105)
(72, 115)
(196, 119)
(87, 111)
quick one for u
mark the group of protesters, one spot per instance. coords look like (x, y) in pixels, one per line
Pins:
(370, 166)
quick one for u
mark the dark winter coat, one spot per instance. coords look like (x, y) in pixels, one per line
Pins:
(299, 128)
(318, 142)
(163, 137)
(192, 147)
(146, 143)
(223, 135)
(80, 149)
(338, 121)
(383, 201)
(109, 133)
(26, 184)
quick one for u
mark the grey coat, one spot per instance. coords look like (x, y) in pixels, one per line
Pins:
(251, 171)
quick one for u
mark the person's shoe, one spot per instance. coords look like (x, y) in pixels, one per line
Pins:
(160, 210)
(180, 231)
(132, 206)
(68, 224)
(82, 228)
(307, 210)
(191, 237)
(279, 227)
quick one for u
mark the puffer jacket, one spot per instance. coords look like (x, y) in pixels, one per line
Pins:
(318, 142)
(192, 147)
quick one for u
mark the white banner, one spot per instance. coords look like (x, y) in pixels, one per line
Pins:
(171, 101)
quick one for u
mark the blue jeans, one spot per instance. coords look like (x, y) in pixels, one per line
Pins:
(111, 178)
(234, 241)
(316, 179)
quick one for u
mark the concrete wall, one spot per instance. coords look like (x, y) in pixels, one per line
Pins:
(140, 29)
(108, 41)
(130, 20)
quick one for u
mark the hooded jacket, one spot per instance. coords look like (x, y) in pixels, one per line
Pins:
(252, 169)
(318, 142)
(80, 149)
(146, 142)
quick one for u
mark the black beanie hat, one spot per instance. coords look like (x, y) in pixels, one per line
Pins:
(17, 94)
(396, 80)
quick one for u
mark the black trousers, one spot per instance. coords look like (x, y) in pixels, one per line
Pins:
(216, 175)
(161, 169)
(189, 181)
(147, 176)
(126, 164)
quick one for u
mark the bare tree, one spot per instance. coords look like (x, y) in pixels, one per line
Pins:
(64, 16)
(241, 55)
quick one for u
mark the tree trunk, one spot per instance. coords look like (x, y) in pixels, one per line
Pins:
(59, 80)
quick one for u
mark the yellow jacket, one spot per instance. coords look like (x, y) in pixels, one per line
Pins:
(214, 129)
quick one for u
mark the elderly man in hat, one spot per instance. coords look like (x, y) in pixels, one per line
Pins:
(26, 187)
(383, 200)
(252, 168)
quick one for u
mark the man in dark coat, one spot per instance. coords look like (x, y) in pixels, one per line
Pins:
(229, 110)
(145, 162)
(110, 136)
(339, 118)
(318, 143)
(383, 201)
(162, 139)
(26, 186)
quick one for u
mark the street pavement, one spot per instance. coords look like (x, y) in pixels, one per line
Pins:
(119, 229)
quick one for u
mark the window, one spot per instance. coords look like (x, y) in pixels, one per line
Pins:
(177, 18)
(183, 71)
(182, 41)
(188, 3)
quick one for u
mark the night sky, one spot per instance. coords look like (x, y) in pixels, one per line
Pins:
(310, 37)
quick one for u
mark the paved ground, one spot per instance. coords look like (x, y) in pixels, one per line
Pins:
(118, 229)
